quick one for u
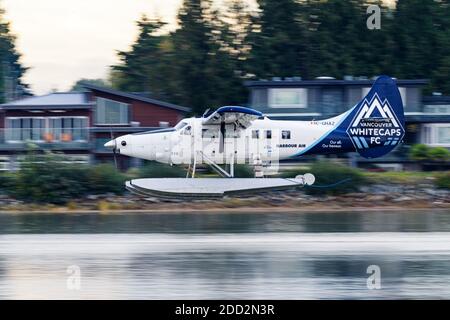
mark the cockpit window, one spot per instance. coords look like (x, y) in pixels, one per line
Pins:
(180, 125)
(187, 131)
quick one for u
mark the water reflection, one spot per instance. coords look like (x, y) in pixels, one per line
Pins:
(431, 221)
(251, 256)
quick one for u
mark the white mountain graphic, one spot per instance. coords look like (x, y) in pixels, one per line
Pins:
(384, 108)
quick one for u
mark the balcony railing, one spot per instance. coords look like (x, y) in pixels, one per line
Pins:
(54, 138)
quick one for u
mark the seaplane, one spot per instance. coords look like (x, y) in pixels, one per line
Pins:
(238, 135)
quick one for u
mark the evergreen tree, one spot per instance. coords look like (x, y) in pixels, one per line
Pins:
(204, 62)
(139, 70)
(417, 38)
(11, 70)
(278, 43)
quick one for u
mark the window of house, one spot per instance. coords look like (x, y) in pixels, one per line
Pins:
(255, 134)
(443, 135)
(68, 129)
(268, 134)
(437, 108)
(111, 112)
(285, 134)
(288, 98)
(436, 134)
(402, 91)
(23, 129)
(46, 129)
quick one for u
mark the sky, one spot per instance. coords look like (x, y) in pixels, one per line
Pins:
(63, 41)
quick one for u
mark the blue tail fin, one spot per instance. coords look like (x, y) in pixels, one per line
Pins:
(376, 124)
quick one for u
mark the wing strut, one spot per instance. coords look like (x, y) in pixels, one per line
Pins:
(215, 167)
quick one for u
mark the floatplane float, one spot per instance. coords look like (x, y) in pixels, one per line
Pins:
(238, 135)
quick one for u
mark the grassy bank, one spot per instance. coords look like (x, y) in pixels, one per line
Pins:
(47, 183)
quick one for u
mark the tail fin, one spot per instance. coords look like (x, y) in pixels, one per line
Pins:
(376, 124)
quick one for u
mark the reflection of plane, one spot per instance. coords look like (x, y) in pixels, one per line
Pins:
(230, 135)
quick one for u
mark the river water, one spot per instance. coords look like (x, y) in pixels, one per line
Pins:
(225, 255)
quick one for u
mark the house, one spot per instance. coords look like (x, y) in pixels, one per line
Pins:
(427, 118)
(79, 123)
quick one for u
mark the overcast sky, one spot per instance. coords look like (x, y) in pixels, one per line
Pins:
(65, 40)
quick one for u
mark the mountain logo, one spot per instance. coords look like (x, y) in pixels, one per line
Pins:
(375, 125)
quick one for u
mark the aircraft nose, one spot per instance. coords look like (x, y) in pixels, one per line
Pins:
(110, 144)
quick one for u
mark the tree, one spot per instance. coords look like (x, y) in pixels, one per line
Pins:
(417, 36)
(140, 67)
(278, 41)
(204, 62)
(11, 70)
(78, 86)
(197, 56)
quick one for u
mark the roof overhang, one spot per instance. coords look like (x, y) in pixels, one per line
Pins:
(135, 97)
(46, 107)
(328, 82)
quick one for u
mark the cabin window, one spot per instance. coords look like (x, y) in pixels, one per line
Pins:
(285, 134)
(187, 131)
(180, 125)
(111, 112)
(255, 134)
(268, 134)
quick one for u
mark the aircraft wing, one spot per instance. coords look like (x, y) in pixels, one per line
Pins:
(239, 115)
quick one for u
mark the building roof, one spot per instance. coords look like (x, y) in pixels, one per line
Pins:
(326, 82)
(134, 96)
(60, 100)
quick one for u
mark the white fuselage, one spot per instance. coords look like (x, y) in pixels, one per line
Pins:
(192, 141)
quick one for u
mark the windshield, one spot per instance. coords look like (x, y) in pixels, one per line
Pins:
(180, 125)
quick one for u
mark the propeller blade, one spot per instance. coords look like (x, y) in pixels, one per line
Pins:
(114, 149)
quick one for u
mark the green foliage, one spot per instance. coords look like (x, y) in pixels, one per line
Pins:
(243, 171)
(105, 178)
(443, 180)
(419, 152)
(10, 65)
(153, 169)
(398, 177)
(7, 181)
(50, 178)
(439, 154)
(422, 152)
(203, 63)
(200, 65)
(46, 178)
(328, 177)
(78, 86)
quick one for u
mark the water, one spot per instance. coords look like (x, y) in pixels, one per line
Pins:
(225, 255)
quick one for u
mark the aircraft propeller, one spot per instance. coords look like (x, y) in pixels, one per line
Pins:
(115, 148)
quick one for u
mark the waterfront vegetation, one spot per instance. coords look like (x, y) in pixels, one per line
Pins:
(51, 179)
(422, 153)
(331, 178)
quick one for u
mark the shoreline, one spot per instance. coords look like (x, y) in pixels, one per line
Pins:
(249, 210)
